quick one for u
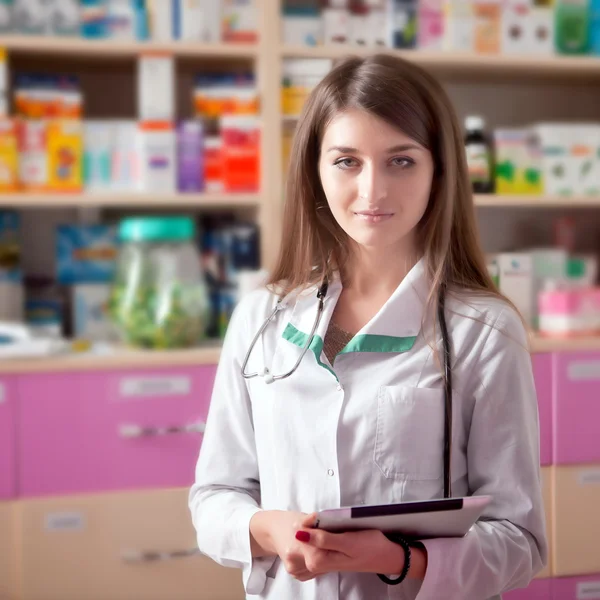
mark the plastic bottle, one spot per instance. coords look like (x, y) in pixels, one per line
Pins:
(479, 156)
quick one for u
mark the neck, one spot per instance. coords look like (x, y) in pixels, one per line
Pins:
(372, 271)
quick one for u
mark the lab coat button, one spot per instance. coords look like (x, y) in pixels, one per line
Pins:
(331, 472)
(340, 388)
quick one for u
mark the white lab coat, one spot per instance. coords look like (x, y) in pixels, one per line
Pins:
(370, 431)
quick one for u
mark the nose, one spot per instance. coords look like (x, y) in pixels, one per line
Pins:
(372, 185)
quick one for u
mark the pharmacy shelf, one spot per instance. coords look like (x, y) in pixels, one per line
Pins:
(209, 355)
(541, 344)
(533, 201)
(126, 359)
(102, 49)
(114, 200)
(449, 62)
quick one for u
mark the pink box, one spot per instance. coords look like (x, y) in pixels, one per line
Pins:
(114, 430)
(538, 589)
(576, 588)
(570, 312)
(7, 438)
(576, 408)
(542, 371)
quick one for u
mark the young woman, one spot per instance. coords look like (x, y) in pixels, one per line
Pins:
(342, 400)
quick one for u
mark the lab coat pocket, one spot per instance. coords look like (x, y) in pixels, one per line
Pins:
(409, 441)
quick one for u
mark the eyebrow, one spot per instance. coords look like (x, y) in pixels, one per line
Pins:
(350, 150)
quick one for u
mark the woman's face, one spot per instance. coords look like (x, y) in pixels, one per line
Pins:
(376, 179)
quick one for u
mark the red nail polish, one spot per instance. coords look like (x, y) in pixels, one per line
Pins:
(303, 536)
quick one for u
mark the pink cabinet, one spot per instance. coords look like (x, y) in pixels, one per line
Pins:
(542, 371)
(7, 438)
(576, 415)
(576, 588)
(538, 589)
(112, 430)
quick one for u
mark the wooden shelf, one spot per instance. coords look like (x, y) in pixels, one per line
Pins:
(115, 200)
(532, 201)
(209, 355)
(76, 47)
(126, 359)
(541, 344)
(450, 62)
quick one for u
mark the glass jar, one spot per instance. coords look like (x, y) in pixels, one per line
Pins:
(159, 298)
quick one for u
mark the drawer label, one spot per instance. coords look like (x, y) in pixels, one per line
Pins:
(589, 477)
(2, 393)
(144, 387)
(580, 370)
(588, 590)
(65, 521)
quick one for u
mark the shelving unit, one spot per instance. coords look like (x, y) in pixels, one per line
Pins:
(461, 72)
(115, 49)
(209, 355)
(154, 201)
(126, 359)
(532, 201)
(555, 67)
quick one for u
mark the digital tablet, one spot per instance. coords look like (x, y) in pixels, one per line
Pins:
(451, 517)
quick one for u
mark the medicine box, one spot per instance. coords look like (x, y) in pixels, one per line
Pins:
(29, 16)
(431, 25)
(518, 162)
(85, 253)
(156, 142)
(156, 88)
(9, 156)
(239, 21)
(62, 17)
(65, 155)
(91, 321)
(516, 281)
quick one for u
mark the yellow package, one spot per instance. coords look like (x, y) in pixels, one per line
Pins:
(9, 156)
(65, 156)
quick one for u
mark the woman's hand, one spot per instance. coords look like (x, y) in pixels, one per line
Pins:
(361, 551)
(273, 533)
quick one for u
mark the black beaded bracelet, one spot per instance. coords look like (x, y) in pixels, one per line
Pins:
(398, 539)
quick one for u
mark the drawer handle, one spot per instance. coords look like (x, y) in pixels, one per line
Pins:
(136, 431)
(146, 556)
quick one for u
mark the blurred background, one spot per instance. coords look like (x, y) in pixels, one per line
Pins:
(143, 148)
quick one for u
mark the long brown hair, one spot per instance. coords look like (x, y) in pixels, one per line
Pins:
(410, 99)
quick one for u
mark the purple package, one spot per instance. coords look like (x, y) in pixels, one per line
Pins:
(190, 157)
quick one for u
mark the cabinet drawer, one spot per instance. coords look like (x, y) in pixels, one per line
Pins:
(576, 528)
(118, 546)
(7, 438)
(577, 588)
(149, 426)
(577, 408)
(112, 430)
(547, 483)
(542, 370)
(538, 589)
(8, 555)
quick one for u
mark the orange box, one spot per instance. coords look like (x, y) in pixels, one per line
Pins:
(488, 26)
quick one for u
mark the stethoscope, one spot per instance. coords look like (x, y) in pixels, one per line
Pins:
(447, 371)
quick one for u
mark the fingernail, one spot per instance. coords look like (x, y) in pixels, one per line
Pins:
(303, 536)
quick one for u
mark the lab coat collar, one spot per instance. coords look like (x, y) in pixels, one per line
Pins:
(393, 329)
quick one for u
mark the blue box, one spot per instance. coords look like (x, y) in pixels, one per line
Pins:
(86, 253)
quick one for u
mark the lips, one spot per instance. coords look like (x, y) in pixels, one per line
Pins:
(373, 216)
